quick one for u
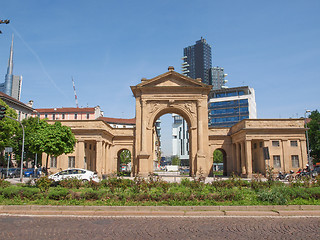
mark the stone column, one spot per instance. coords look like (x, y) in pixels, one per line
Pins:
(203, 162)
(81, 154)
(238, 158)
(304, 154)
(285, 156)
(200, 128)
(248, 158)
(143, 127)
(106, 158)
(99, 156)
(144, 155)
(103, 159)
(243, 157)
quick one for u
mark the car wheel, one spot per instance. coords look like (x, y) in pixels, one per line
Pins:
(84, 180)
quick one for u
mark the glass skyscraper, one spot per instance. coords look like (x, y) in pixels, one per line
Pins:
(12, 83)
(197, 61)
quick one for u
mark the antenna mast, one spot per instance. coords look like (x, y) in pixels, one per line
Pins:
(75, 94)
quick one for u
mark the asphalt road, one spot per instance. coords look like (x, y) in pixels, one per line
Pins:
(154, 227)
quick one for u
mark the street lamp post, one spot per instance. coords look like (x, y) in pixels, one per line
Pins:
(308, 149)
(36, 156)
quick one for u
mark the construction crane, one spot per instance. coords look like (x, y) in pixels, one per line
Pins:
(75, 94)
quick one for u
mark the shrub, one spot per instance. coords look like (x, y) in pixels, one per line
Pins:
(273, 197)
(113, 183)
(90, 194)
(71, 183)
(92, 184)
(58, 194)
(10, 192)
(4, 183)
(20, 192)
(29, 193)
(43, 183)
(301, 192)
(195, 184)
(316, 181)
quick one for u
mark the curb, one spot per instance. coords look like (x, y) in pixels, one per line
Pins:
(181, 211)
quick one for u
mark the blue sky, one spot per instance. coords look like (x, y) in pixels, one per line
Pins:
(107, 46)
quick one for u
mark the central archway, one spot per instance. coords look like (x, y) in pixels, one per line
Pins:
(171, 92)
(171, 110)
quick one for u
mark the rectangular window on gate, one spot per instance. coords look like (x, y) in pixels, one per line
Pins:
(53, 162)
(295, 161)
(294, 143)
(275, 143)
(276, 161)
(71, 162)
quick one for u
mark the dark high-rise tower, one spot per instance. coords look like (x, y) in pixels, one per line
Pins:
(197, 61)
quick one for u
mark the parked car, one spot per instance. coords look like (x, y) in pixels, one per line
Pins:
(12, 172)
(30, 172)
(82, 174)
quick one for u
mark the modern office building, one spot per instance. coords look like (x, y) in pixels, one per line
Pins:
(228, 106)
(12, 84)
(197, 61)
(217, 78)
(180, 139)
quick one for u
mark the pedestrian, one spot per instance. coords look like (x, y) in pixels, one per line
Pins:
(35, 171)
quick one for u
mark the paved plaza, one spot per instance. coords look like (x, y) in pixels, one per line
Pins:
(155, 227)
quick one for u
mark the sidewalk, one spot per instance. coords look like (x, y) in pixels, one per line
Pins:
(178, 211)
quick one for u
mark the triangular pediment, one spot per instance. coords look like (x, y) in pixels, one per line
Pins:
(170, 82)
(171, 79)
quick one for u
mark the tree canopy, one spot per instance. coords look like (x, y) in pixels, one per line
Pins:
(125, 156)
(314, 135)
(217, 156)
(8, 128)
(52, 139)
(175, 160)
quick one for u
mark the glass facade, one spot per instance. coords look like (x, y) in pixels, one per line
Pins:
(228, 113)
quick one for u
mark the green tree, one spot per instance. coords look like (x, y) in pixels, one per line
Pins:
(31, 125)
(175, 160)
(125, 156)
(314, 135)
(52, 139)
(217, 156)
(8, 129)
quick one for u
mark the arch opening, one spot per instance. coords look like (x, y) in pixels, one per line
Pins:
(219, 166)
(124, 162)
(172, 135)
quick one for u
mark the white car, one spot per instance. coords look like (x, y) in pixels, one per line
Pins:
(82, 174)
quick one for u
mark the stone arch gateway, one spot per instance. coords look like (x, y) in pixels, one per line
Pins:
(98, 142)
(171, 92)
